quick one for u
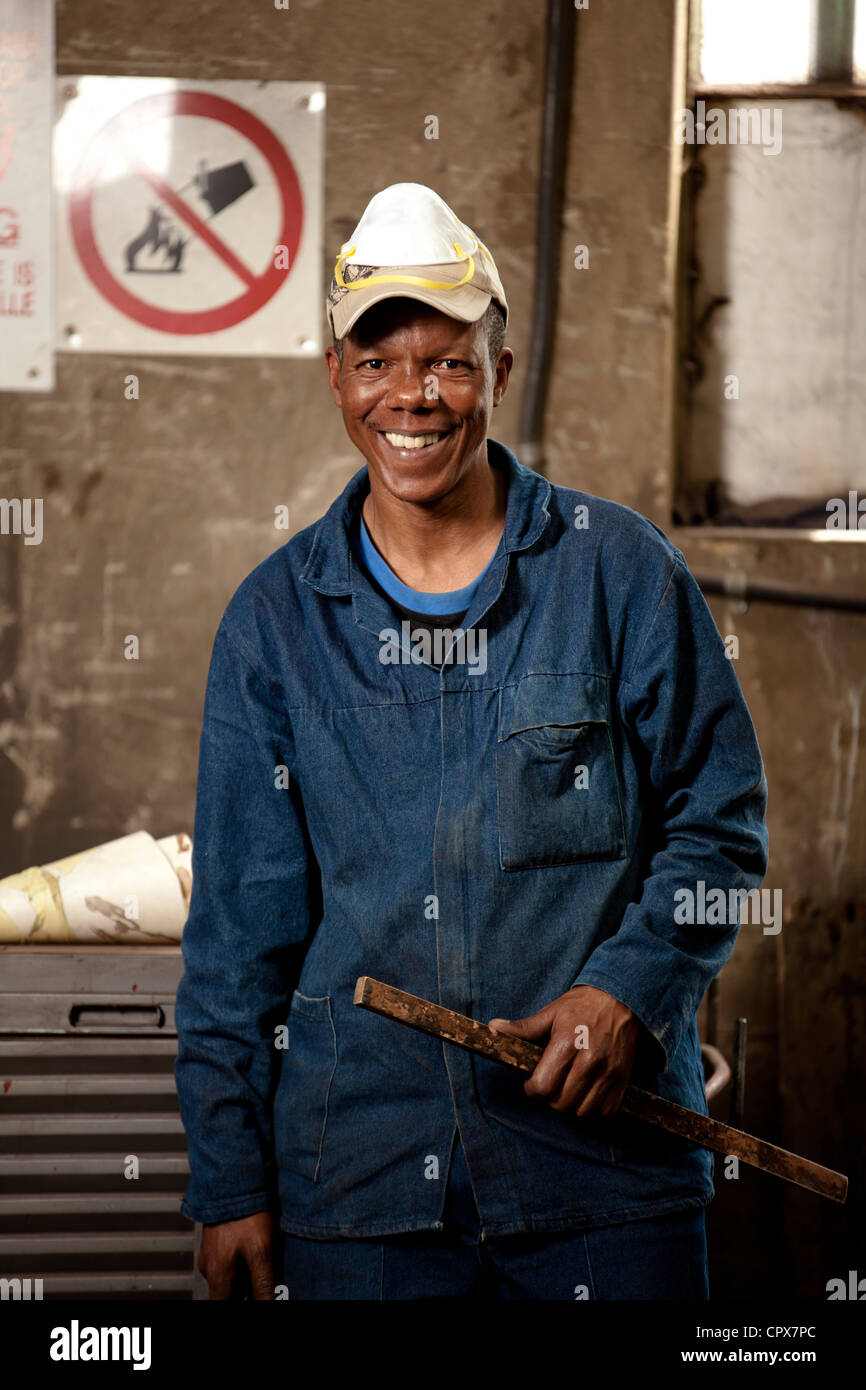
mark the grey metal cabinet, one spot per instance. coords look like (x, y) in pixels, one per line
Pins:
(92, 1150)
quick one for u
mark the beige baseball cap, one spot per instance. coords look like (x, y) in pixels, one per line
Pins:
(410, 243)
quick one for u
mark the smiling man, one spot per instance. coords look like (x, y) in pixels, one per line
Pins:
(506, 836)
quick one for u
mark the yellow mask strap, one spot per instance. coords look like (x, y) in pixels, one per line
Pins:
(478, 242)
(420, 280)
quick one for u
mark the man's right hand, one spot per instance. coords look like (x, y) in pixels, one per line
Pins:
(236, 1258)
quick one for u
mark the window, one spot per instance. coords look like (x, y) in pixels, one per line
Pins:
(773, 383)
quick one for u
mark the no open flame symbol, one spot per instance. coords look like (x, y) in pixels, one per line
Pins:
(171, 222)
(219, 188)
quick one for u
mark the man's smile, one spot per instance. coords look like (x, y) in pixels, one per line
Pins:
(406, 443)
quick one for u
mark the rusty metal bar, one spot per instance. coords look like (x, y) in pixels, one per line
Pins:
(466, 1032)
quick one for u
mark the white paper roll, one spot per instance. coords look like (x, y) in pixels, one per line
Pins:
(135, 889)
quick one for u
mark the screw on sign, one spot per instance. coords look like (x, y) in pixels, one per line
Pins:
(218, 187)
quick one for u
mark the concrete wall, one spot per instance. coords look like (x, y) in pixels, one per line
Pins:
(155, 510)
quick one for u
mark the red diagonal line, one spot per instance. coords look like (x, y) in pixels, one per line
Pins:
(201, 229)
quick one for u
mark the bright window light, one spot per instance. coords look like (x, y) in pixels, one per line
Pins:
(860, 41)
(751, 41)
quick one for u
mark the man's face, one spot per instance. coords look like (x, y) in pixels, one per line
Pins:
(409, 370)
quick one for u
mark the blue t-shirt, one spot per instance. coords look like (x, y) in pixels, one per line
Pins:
(415, 601)
(427, 612)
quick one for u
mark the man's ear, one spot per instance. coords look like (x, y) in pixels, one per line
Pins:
(334, 370)
(501, 374)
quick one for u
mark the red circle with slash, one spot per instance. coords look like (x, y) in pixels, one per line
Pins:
(110, 140)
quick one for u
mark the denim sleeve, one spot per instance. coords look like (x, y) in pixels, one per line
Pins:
(705, 791)
(251, 912)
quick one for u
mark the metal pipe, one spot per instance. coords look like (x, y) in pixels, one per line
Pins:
(712, 1026)
(556, 116)
(739, 586)
(832, 47)
(738, 1090)
(719, 1074)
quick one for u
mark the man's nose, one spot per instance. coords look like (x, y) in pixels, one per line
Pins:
(407, 388)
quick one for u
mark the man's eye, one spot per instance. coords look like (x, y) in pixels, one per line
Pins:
(373, 362)
(453, 361)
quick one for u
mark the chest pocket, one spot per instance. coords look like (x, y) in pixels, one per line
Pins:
(557, 787)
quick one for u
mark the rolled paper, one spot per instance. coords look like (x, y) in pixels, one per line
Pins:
(131, 890)
(178, 851)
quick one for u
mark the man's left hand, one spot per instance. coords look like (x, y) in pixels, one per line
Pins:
(591, 1043)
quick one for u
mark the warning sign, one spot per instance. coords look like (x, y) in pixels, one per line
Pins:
(189, 216)
(26, 99)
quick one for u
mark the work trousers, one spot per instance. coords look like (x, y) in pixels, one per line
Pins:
(663, 1257)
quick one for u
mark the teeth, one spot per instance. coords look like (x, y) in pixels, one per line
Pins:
(409, 441)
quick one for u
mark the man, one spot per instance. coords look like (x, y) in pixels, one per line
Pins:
(470, 734)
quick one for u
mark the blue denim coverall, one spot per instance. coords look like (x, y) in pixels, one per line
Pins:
(432, 835)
